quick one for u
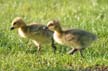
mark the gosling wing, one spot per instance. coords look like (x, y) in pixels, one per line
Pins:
(79, 36)
(38, 29)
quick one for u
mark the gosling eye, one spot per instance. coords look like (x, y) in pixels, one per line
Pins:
(14, 23)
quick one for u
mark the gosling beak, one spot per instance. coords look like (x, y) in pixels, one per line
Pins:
(12, 28)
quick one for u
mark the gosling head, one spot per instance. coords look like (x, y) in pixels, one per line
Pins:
(17, 23)
(54, 25)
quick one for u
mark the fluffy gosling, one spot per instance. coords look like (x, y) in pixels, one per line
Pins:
(79, 39)
(33, 31)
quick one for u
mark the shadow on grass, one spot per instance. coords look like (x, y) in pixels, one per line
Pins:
(96, 68)
(91, 68)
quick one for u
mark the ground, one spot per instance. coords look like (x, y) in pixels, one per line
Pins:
(18, 54)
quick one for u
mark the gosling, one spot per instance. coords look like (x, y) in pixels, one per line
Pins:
(78, 39)
(33, 31)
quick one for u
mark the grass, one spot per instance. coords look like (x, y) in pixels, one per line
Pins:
(18, 54)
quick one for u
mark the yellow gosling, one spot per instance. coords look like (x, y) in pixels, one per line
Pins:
(33, 31)
(78, 39)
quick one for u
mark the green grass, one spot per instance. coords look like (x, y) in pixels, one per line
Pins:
(18, 54)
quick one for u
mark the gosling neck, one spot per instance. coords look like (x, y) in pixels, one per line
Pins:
(59, 31)
(23, 27)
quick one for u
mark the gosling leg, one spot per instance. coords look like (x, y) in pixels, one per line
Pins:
(53, 45)
(72, 51)
(37, 45)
